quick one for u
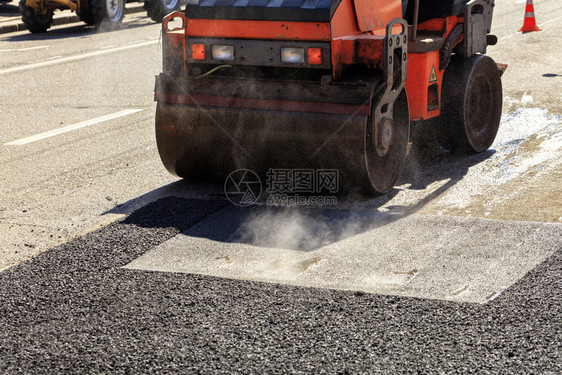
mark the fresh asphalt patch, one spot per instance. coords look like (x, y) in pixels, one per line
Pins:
(76, 309)
(443, 257)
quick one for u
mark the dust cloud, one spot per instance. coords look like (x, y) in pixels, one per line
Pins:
(301, 228)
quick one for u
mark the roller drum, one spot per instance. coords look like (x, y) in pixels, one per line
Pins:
(208, 143)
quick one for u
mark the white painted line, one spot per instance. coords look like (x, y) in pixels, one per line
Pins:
(520, 33)
(23, 49)
(551, 21)
(66, 129)
(10, 19)
(82, 56)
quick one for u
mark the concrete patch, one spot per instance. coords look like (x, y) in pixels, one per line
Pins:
(437, 257)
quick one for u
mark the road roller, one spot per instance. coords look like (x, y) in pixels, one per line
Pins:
(323, 84)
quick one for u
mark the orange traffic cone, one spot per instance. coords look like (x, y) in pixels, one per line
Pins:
(529, 24)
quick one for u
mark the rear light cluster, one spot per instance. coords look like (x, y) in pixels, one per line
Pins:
(287, 55)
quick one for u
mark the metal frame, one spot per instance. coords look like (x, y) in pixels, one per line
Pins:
(477, 25)
(394, 76)
(41, 6)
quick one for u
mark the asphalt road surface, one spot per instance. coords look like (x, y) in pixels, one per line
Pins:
(111, 265)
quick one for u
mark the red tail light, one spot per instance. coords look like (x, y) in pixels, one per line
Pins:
(198, 51)
(315, 56)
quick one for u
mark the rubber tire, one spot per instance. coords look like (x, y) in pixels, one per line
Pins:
(103, 19)
(88, 17)
(158, 9)
(471, 104)
(36, 23)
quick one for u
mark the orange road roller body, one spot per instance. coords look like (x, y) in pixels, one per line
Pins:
(324, 84)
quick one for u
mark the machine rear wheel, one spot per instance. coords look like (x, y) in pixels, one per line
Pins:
(471, 104)
(36, 23)
(157, 9)
(385, 170)
(108, 14)
(87, 16)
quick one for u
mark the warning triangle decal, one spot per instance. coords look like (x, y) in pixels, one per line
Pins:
(433, 75)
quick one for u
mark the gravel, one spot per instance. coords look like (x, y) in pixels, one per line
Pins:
(73, 309)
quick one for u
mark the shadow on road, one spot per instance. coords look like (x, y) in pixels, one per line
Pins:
(295, 228)
(9, 9)
(54, 34)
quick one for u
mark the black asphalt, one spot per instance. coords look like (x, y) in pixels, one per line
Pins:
(73, 309)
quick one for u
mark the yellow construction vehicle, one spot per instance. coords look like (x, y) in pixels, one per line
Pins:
(37, 15)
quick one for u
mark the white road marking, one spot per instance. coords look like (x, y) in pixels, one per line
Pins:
(10, 19)
(520, 33)
(82, 56)
(66, 129)
(24, 49)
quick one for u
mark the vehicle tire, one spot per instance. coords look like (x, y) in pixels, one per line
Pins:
(471, 104)
(108, 14)
(157, 9)
(36, 23)
(88, 17)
